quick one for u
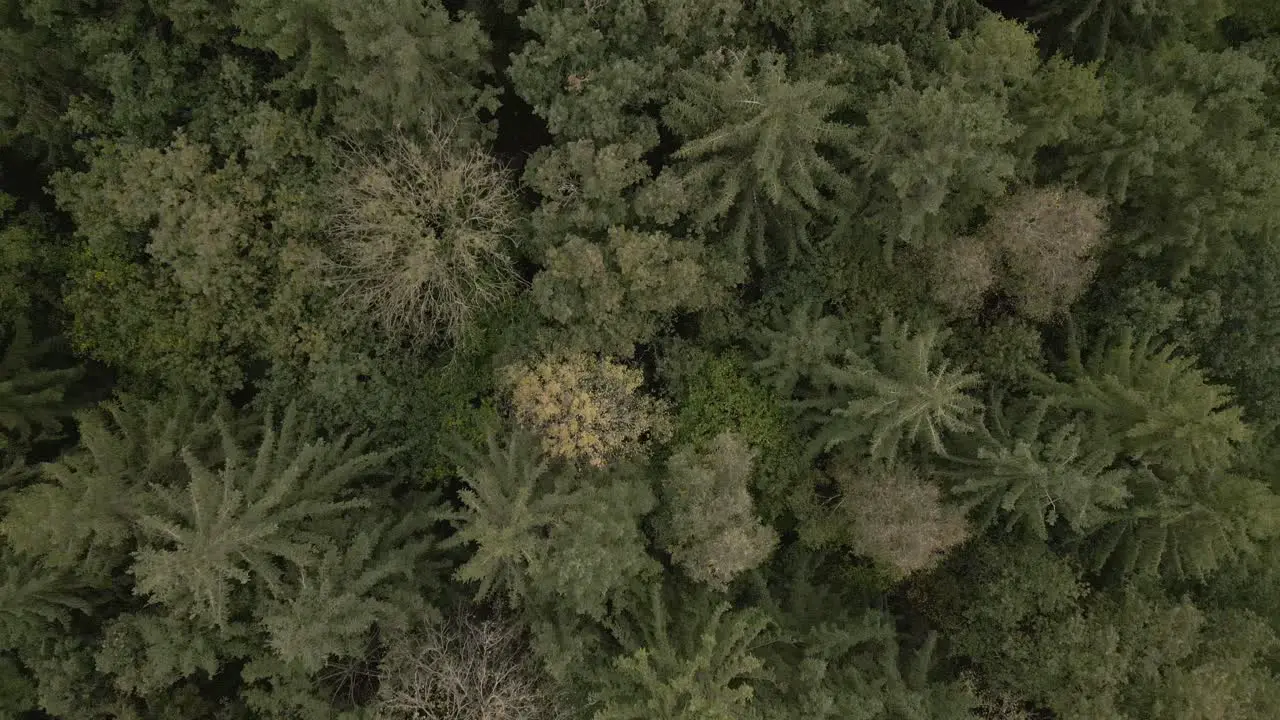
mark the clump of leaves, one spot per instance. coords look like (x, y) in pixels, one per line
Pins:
(1047, 237)
(584, 408)
(708, 524)
(421, 230)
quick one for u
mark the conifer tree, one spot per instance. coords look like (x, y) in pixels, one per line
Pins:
(231, 524)
(798, 345)
(708, 524)
(34, 602)
(378, 574)
(81, 515)
(503, 509)
(902, 397)
(1036, 473)
(759, 148)
(545, 533)
(1148, 403)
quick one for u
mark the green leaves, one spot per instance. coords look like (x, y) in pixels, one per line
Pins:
(1148, 403)
(695, 666)
(708, 524)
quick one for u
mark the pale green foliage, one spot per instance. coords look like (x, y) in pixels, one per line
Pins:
(1037, 473)
(145, 652)
(758, 145)
(890, 514)
(696, 665)
(536, 535)
(901, 398)
(32, 399)
(932, 150)
(624, 291)
(233, 523)
(587, 188)
(708, 523)
(797, 347)
(502, 513)
(421, 231)
(1147, 403)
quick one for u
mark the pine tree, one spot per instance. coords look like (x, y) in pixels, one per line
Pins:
(503, 510)
(230, 524)
(696, 665)
(1036, 475)
(34, 602)
(708, 524)
(798, 345)
(758, 151)
(1184, 525)
(901, 398)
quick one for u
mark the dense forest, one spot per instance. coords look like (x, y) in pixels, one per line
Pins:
(640, 359)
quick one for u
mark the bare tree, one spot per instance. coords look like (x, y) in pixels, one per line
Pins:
(464, 669)
(1048, 237)
(421, 229)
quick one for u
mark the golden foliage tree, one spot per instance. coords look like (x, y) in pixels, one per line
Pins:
(584, 408)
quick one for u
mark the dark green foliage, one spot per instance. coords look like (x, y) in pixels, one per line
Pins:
(1150, 404)
(757, 145)
(1034, 630)
(1036, 471)
(32, 399)
(902, 397)
(625, 290)
(765, 261)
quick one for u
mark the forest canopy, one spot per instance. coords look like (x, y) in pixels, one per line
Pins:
(639, 360)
